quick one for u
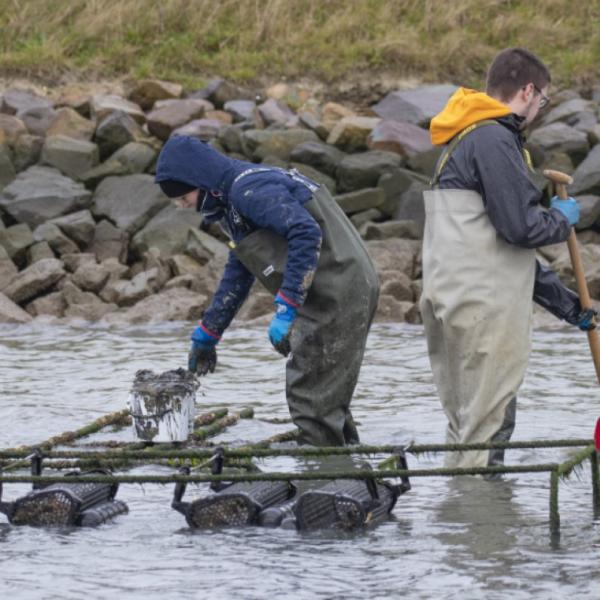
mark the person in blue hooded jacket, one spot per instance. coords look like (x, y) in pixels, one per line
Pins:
(289, 233)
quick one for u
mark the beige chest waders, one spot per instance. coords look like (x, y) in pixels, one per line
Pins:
(477, 307)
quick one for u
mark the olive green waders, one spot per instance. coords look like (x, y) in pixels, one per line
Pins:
(477, 307)
(330, 332)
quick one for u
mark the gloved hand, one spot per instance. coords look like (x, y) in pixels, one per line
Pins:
(568, 207)
(203, 355)
(281, 325)
(585, 320)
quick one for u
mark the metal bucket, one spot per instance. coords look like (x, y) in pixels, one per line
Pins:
(162, 405)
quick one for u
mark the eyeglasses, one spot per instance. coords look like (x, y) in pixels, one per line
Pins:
(544, 100)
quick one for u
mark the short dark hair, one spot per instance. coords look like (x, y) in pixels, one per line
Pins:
(513, 69)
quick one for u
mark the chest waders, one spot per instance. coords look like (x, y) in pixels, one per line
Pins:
(477, 309)
(330, 332)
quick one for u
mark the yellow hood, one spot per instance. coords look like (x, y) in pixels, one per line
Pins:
(464, 108)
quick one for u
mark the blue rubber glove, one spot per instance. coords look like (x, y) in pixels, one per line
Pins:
(568, 207)
(281, 325)
(586, 321)
(203, 355)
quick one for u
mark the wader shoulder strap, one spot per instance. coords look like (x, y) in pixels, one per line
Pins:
(452, 145)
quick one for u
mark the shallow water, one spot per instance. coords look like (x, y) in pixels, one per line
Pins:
(460, 538)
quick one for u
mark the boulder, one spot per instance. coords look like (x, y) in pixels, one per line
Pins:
(275, 112)
(11, 127)
(79, 226)
(167, 231)
(42, 193)
(57, 240)
(590, 211)
(11, 312)
(202, 129)
(319, 155)
(586, 179)
(364, 169)
(315, 175)
(103, 105)
(91, 277)
(258, 304)
(147, 91)
(84, 305)
(73, 261)
(7, 171)
(184, 265)
(366, 216)
(109, 241)
(360, 200)
(176, 304)
(37, 120)
(16, 240)
(173, 114)
(405, 139)
(566, 110)
(8, 268)
(332, 113)
(399, 288)
(70, 123)
(411, 206)
(220, 91)
(312, 120)
(53, 305)
(34, 280)
(258, 144)
(39, 251)
(590, 256)
(395, 255)
(129, 202)
(390, 310)
(223, 117)
(15, 100)
(115, 131)
(350, 133)
(416, 106)
(394, 184)
(73, 157)
(392, 229)
(204, 248)
(26, 151)
(563, 137)
(240, 110)
(127, 293)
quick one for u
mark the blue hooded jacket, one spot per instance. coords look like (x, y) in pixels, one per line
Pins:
(268, 199)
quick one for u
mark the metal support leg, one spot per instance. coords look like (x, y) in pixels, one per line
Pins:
(554, 514)
(595, 484)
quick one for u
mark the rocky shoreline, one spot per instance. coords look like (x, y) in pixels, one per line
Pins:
(85, 234)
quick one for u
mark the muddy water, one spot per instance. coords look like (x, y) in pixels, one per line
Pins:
(460, 538)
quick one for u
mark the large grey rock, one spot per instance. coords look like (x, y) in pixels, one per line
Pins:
(109, 241)
(16, 240)
(312, 120)
(34, 280)
(84, 305)
(16, 99)
(181, 264)
(11, 312)
(173, 114)
(416, 106)
(202, 129)
(11, 128)
(42, 193)
(69, 122)
(394, 184)
(73, 157)
(566, 110)
(115, 131)
(390, 310)
(8, 268)
(586, 179)
(275, 112)
(129, 202)
(561, 136)
(91, 277)
(395, 255)
(241, 110)
(405, 139)
(56, 239)
(399, 287)
(147, 91)
(204, 248)
(351, 133)
(332, 113)
(37, 120)
(127, 293)
(7, 170)
(319, 155)
(364, 169)
(176, 304)
(366, 216)
(39, 251)
(79, 226)
(53, 305)
(167, 231)
(26, 151)
(411, 206)
(259, 144)
(360, 200)
(316, 176)
(220, 91)
(590, 211)
(103, 105)
(231, 138)
(392, 229)
(73, 261)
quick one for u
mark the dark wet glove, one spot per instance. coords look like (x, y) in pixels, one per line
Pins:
(586, 320)
(203, 354)
(568, 207)
(281, 325)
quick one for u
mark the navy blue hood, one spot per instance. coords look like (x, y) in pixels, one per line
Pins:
(191, 161)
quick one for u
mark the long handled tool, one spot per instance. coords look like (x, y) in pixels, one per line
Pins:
(561, 180)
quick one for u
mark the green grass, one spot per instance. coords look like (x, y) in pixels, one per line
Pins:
(190, 41)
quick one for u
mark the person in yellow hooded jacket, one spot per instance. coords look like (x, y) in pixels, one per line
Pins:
(484, 220)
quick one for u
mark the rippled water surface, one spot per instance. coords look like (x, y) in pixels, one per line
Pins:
(460, 538)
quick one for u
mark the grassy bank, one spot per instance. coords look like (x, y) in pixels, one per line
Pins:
(191, 40)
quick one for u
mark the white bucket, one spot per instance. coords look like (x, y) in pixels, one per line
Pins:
(162, 405)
